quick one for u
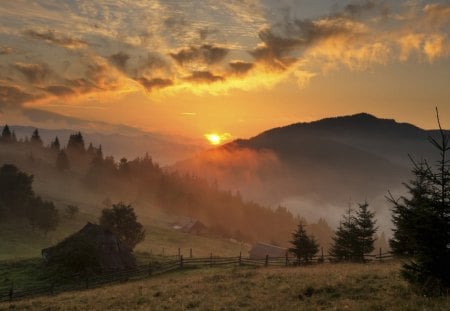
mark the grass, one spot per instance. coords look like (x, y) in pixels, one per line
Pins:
(375, 286)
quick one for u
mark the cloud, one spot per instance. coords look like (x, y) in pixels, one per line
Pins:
(240, 67)
(12, 96)
(34, 73)
(120, 60)
(50, 36)
(155, 83)
(204, 77)
(437, 14)
(206, 53)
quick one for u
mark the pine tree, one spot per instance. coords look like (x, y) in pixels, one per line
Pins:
(76, 144)
(365, 226)
(55, 145)
(6, 134)
(345, 240)
(305, 246)
(427, 222)
(406, 211)
(36, 139)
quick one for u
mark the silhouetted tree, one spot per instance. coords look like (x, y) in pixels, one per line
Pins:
(365, 224)
(406, 211)
(36, 138)
(76, 143)
(122, 221)
(55, 145)
(426, 219)
(15, 190)
(42, 215)
(305, 246)
(62, 162)
(6, 134)
(345, 240)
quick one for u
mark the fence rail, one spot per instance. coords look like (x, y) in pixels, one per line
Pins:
(9, 291)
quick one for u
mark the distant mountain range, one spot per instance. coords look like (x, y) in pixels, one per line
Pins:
(314, 167)
(164, 149)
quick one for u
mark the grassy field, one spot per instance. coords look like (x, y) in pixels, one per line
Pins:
(375, 286)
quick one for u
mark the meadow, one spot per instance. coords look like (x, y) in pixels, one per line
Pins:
(372, 286)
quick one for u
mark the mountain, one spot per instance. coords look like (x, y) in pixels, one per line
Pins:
(164, 148)
(317, 168)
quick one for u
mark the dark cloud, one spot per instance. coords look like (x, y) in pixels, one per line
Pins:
(5, 50)
(294, 36)
(206, 53)
(34, 73)
(155, 83)
(120, 60)
(203, 77)
(240, 67)
(59, 90)
(58, 39)
(354, 9)
(14, 96)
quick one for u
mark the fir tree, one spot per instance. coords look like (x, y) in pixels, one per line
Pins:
(6, 134)
(55, 145)
(365, 226)
(305, 246)
(36, 139)
(427, 222)
(345, 240)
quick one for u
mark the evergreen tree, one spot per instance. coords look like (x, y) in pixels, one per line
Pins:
(405, 211)
(76, 144)
(305, 246)
(345, 240)
(62, 162)
(365, 224)
(36, 138)
(6, 134)
(55, 145)
(427, 222)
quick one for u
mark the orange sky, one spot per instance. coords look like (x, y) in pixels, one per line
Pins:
(235, 68)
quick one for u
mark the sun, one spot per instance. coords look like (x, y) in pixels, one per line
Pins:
(214, 139)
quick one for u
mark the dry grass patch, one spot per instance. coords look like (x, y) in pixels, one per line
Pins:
(322, 287)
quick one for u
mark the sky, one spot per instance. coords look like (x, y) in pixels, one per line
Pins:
(233, 68)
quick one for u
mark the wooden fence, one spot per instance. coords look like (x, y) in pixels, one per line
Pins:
(9, 290)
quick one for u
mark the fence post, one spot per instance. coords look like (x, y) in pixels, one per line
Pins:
(11, 291)
(240, 258)
(181, 261)
(267, 260)
(380, 255)
(190, 252)
(287, 259)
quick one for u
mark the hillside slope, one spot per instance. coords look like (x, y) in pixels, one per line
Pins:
(313, 167)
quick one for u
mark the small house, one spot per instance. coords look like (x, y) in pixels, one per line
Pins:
(260, 250)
